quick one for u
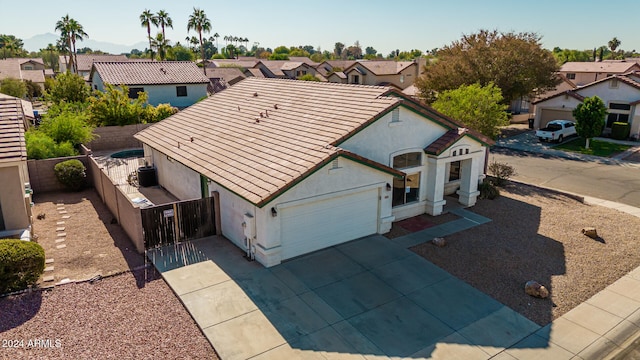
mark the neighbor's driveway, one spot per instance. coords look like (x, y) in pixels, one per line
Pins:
(370, 298)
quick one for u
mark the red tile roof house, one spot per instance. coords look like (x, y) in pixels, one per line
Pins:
(15, 200)
(179, 83)
(24, 69)
(620, 93)
(400, 74)
(300, 166)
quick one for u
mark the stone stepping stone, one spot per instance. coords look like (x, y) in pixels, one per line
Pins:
(48, 278)
(64, 281)
(48, 268)
(60, 228)
(48, 261)
(61, 235)
(60, 208)
(61, 246)
(59, 222)
(59, 241)
(66, 217)
(62, 212)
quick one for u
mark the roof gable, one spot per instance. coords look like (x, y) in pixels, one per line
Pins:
(575, 93)
(12, 127)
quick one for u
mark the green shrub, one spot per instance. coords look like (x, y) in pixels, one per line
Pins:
(68, 126)
(163, 111)
(41, 146)
(488, 191)
(620, 130)
(71, 174)
(21, 264)
(502, 172)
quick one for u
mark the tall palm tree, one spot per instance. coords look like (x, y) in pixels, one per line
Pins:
(199, 22)
(161, 44)
(52, 58)
(61, 46)
(614, 43)
(76, 33)
(216, 36)
(63, 25)
(164, 20)
(146, 19)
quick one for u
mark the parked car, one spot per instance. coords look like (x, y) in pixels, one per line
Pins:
(557, 130)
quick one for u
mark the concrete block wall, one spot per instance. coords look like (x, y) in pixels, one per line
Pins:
(43, 178)
(116, 137)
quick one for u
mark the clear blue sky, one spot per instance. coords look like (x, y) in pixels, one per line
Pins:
(383, 24)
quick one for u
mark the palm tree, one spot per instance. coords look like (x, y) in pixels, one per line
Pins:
(52, 58)
(63, 25)
(216, 36)
(161, 44)
(146, 19)
(614, 43)
(164, 20)
(199, 22)
(76, 32)
(61, 46)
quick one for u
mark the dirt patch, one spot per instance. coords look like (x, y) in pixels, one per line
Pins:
(397, 230)
(536, 235)
(93, 245)
(128, 316)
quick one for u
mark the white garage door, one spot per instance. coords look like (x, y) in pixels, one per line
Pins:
(551, 114)
(320, 224)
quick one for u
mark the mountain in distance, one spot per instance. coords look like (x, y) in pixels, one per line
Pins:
(37, 42)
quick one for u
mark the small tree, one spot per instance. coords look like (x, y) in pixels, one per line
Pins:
(68, 127)
(114, 107)
(308, 77)
(478, 107)
(502, 172)
(68, 87)
(71, 173)
(13, 87)
(589, 117)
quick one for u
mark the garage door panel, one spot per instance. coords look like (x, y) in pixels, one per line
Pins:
(554, 114)
(323, 223)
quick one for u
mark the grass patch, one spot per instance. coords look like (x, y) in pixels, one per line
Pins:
(596, 147)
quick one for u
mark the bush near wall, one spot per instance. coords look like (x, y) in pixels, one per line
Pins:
(72, 174)
(620, 130)
(21, 264)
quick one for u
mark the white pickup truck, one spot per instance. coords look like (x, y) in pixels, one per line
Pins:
(557, 130)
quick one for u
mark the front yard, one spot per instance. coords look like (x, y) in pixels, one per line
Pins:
(596, 147)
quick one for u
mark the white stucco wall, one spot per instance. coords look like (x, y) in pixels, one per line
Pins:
(178, 179)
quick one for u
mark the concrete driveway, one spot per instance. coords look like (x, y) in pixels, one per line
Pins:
(367, 299)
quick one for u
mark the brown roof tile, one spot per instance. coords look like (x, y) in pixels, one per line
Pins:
(12, 125)
(150, 72)
(85, 61)
(600, 67)
(445, 141)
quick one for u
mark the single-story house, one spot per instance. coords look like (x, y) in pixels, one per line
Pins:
(583, 73)
(85, 62)
(15, 192)
(299, 166)
(620, 93)
(179, 83)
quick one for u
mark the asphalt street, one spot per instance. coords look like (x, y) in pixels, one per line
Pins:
(620, 183)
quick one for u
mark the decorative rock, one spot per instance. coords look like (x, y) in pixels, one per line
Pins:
(534, 288)
(66, 216)
(439, 242)
(590, 232)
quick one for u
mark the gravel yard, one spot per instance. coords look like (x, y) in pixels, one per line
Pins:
(536, 235)
(127, 316)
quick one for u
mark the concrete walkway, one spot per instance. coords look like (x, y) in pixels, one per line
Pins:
(375, 299)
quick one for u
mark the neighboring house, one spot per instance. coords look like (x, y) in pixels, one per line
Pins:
(179, 83)
(620, 93)
(222, 78)
(85, 62)
(328, 67)
(400, 74)
(583, 73)
(23, 69)
(300, 166)
(15, 197)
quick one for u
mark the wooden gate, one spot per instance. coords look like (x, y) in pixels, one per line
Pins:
(181, 221)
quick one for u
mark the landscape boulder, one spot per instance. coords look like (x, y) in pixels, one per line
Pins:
(590, 232)
(534, 288)
(439, 242)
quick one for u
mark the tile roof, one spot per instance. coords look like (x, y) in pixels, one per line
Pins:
(445, 141)
(600, 67)
(232, 63)
(150, 73)
(260, 156)
(575, 93)
(85, 61)
(10, 68)
(383, 67)
(12, 127)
